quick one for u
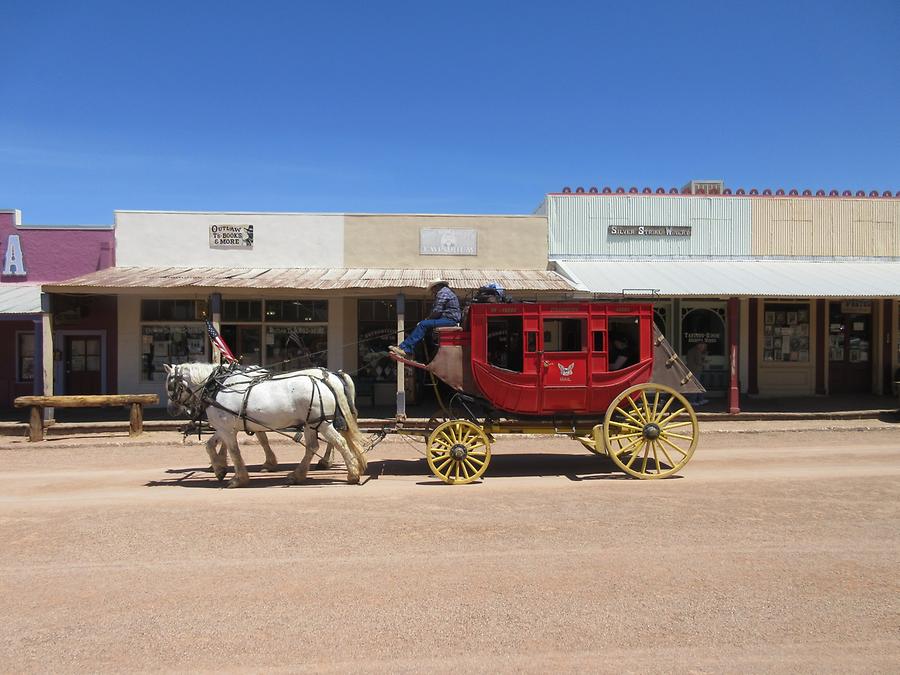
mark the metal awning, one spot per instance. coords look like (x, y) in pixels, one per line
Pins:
(116, 279)
(747, 278)
(20, 299)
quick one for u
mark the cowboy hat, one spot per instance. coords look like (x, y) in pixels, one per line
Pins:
(437, 282)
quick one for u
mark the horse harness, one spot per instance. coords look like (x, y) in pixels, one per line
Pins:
(216, 383)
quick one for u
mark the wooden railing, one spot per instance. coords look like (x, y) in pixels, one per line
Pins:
(38, 403)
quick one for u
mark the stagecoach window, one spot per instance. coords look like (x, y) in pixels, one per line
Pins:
(598, 341)
(504, 342)
(531, 341)
(564, 335)
(624, 341)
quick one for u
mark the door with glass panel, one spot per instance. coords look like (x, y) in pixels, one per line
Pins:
(82, 364)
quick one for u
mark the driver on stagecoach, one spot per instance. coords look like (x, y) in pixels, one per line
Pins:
(445, 312)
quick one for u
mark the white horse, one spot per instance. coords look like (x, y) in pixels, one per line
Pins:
(251, 399)
(217, 458)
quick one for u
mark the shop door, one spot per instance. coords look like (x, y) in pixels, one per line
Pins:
(564, 364)
(82, 364)
(705, 323)
(849, 350)
(245, 342)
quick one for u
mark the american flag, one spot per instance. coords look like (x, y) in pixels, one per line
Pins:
(219, 343)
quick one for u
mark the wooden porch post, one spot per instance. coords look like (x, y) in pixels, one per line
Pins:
(733, 325)
(215, 310)
(401, 369)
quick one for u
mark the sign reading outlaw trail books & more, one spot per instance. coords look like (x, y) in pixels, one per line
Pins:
(231, 236)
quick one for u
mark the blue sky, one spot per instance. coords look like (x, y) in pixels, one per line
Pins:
(435, 107)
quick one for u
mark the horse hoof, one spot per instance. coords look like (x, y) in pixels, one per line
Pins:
(235, 483)
(322, 464)
(268, 468)
(220, 473)
(353, 480)
(293, 479)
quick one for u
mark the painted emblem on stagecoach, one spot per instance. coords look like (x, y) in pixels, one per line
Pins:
(565, 371)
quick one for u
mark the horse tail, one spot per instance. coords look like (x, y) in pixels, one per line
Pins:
(352, 435)
(350, 389)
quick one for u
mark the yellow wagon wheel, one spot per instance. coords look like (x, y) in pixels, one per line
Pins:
(650, 431)
(458, 452)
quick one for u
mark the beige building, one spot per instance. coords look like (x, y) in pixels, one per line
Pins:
(293, 289)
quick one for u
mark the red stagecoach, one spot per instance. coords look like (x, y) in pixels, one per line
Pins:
(599, 372)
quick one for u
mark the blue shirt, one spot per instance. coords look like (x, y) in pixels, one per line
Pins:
(446, 305)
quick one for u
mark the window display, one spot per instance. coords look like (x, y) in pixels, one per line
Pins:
(296, 347)
(170, 344)
(25, 370)
(786, 332)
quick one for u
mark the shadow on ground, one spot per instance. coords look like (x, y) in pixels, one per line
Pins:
(576, 468)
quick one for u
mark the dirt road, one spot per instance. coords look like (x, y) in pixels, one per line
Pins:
(773, 552)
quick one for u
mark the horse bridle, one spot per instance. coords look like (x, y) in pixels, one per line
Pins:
(182, 394)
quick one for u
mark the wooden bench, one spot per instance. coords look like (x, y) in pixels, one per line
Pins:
(38, 403)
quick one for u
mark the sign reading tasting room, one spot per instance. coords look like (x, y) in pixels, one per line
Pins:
(231, 236)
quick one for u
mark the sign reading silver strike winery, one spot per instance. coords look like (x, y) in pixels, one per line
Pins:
(231, 236)
(648, 231)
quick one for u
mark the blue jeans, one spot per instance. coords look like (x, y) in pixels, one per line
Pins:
(414, 338)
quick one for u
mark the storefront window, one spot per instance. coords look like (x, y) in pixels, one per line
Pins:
(377, 329)
(242, 310)
(786, 331)
(277, 334)
(296, 347)
(25, 357)
(173, 310)
(161, 344)
(294, 311)
(660, 318)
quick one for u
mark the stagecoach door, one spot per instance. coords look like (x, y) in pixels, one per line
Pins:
(564, 364)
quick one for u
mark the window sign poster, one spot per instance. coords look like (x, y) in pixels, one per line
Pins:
(791, 329)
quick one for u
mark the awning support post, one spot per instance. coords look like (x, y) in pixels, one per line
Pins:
(401, 369)
(43, 354)
(215, 310)
(733, 387)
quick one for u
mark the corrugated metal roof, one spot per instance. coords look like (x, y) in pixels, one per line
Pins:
(20, 298)
(310, 279)
(750, 278)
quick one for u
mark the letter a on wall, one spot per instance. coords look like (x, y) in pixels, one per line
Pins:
(13, 262)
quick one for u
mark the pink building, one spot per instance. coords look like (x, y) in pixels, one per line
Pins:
(77, 334)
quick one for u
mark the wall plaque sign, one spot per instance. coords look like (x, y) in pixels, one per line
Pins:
(648, 231)
(231, 236)
(13, 261)
(447, 241)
